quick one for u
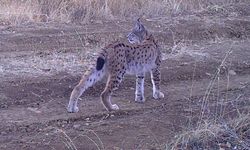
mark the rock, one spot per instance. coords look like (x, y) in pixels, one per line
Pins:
(232, 72)
(76, 126)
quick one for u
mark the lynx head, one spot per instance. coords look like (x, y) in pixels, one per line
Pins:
(138, 33)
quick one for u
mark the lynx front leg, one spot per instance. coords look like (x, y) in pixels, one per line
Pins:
(139, 92)
(106, 100)
(156, 79)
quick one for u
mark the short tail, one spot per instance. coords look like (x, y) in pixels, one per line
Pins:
(100, 63)
(101, 60)
(95, 74)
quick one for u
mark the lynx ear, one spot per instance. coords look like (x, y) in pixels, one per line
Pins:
(138, 25)
(138, 20)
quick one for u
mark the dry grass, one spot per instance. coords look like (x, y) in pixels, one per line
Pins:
(212, 132)
(88, 11)
(50, 136)
(211, 135)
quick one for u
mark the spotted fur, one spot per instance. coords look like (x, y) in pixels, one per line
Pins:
(139, 56)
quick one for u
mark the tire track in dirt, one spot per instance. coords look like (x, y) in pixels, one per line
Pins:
(93, 109)
(177, 106)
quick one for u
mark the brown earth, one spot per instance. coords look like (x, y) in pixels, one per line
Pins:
(40, 64)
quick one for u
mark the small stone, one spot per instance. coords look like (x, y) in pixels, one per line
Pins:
(208, 74)
(229, 145)
(99, 22)
(184, 64)
(3, 106)
(46, 69)
(4, 133)
(76, 126)
(232, 72)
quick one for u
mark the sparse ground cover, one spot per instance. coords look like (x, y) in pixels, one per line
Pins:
(205, 77)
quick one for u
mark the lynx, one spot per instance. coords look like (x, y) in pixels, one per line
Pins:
(139, 56)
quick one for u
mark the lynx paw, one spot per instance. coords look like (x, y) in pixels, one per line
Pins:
(140, 99)
(72, 109)
(114, 107)
(158, 95)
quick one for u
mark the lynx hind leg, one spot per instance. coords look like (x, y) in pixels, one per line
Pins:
(86, 82)
(139, 92)
(156, 80)
(75, 94)
(112, 85)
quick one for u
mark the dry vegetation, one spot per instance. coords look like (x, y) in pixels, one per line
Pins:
(88, 11)
(215, 129)
(232, 133)
(212, 135)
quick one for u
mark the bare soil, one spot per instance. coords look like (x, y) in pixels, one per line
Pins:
(40, 64)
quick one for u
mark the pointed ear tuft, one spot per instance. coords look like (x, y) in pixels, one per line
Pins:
(138, 20)
(138, 25)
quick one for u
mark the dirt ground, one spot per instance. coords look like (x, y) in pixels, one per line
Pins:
(206, 60)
